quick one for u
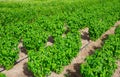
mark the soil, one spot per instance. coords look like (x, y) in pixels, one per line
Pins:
(71, 70)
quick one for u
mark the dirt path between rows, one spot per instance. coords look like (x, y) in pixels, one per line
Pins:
(73, 70)
(88, 47)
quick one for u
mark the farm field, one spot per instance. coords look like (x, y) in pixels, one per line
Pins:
(49, 30)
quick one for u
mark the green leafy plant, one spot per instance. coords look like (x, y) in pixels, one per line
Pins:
(103, 62)
(2, 75)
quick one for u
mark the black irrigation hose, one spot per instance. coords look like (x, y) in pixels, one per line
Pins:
(85, 46)
(20, 60)
(27, 56)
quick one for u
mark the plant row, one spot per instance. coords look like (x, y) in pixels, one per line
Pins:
(103, 62)
(55, 57)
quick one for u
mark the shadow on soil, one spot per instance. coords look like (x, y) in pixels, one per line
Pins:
(26, 71)
(23, 49)
(101, 45)
(51, 39)
(85, 36)
(94, 48)
(76, 73)
(105, 37)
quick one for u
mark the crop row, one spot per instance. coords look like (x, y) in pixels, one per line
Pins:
(53, 58)
(103, 62)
